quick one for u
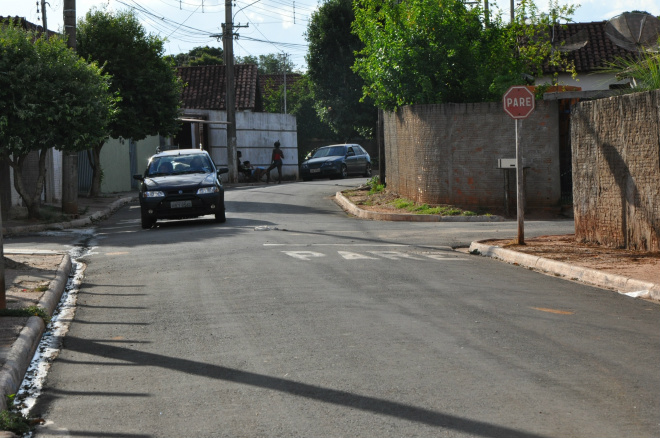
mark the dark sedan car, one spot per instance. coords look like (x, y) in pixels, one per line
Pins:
(179, 184)
(336, 161)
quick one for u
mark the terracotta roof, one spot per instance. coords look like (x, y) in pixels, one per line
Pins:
(276, 81)
(205, 87)
(27, 25)
(598, 51)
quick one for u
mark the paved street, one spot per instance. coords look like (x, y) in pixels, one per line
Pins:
(292, 319)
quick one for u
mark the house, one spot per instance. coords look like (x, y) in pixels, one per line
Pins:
(256, 131)
(592, 51)
(203, 126)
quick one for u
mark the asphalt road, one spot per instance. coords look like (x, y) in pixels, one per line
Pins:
(293, 319)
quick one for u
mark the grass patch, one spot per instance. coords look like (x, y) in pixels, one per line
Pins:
(27, 312)
(443, 210)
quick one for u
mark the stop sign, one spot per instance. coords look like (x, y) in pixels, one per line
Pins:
(518, 102)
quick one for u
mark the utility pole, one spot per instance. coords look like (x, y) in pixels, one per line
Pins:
(70, 159)
(228, 49)
(43, 18)
(284, 55)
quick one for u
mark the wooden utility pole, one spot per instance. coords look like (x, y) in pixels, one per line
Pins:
(43, 18)
(228, 49)
(70, 159)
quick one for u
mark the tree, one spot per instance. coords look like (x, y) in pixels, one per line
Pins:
(268, 64)
(336, 88)
(147, 84)
(49, 97)
(437, 51)
(198, 56)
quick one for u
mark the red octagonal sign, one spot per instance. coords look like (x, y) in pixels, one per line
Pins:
(518, 102)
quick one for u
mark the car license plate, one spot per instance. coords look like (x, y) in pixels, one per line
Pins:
(180, 204)
(314, 170)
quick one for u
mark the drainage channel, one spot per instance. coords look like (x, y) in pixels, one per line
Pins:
(51, 341)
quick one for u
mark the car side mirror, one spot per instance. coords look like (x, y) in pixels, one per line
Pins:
(138, 177)
(223, 170)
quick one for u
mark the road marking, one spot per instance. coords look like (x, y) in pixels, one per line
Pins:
(444, 257)
(304, 255)
(559, 312)
(394, 255)
(355, 256)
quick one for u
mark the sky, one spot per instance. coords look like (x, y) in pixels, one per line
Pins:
(274, 26)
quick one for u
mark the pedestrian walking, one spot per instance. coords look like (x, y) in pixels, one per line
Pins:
(276, 161)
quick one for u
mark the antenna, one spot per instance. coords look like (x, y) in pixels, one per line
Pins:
(634, 31)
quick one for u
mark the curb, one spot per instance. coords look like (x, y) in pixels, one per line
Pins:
(592, 277)
(76, 223)
(22, 350)
(351, 208)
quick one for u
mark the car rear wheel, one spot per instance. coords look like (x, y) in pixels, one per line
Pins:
(367, 171)
(344, 171)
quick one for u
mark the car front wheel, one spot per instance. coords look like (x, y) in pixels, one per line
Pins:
(147, 221)
(221, 217)
(344, 172)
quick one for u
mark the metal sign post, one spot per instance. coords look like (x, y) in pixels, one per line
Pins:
(519, 103)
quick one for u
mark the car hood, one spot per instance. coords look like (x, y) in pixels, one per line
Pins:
(322, 160)
(186, 180)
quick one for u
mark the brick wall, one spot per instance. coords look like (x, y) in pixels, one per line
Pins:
(616, 171)
(447, 154)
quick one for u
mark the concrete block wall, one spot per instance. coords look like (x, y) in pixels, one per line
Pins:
(616, 171)
(447, 154)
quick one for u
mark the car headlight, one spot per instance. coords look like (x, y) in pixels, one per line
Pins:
(328, 164)
(154, 194)
(207, 190)
(304, 166)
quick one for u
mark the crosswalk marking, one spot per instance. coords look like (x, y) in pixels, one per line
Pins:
(376, 255)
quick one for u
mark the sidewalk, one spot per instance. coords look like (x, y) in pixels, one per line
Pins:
(40, 277)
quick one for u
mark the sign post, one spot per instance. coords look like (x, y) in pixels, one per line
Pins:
(519, 103)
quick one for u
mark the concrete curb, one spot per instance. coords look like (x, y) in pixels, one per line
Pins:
(19, 358)
(351, 208)
(52, 296)
(23, 349)
(625, 285)
(76, 223)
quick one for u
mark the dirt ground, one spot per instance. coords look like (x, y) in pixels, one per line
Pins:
(27, 277)
(634, 264)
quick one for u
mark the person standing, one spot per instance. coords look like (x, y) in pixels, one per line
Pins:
(276, 161)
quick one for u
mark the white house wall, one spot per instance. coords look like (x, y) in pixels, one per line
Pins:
(116, 164)
(255, 135)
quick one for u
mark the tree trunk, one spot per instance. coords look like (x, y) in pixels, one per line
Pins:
(94, 155)
(32, 200)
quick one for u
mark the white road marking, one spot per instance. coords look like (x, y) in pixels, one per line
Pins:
(355, 256)
(304, 255)
(444, 257)
(338, 244)
(394, 255)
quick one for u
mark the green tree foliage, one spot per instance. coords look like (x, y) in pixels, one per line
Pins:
(268, 64)
(336, 88)
(437, 51)
(149, 89)
(198, 56)
(49, 97)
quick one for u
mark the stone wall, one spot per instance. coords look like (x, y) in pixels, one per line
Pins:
(616, 171)
(447, 154)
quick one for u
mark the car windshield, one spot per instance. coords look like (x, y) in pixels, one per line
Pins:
(331, 151)
(179, 164)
